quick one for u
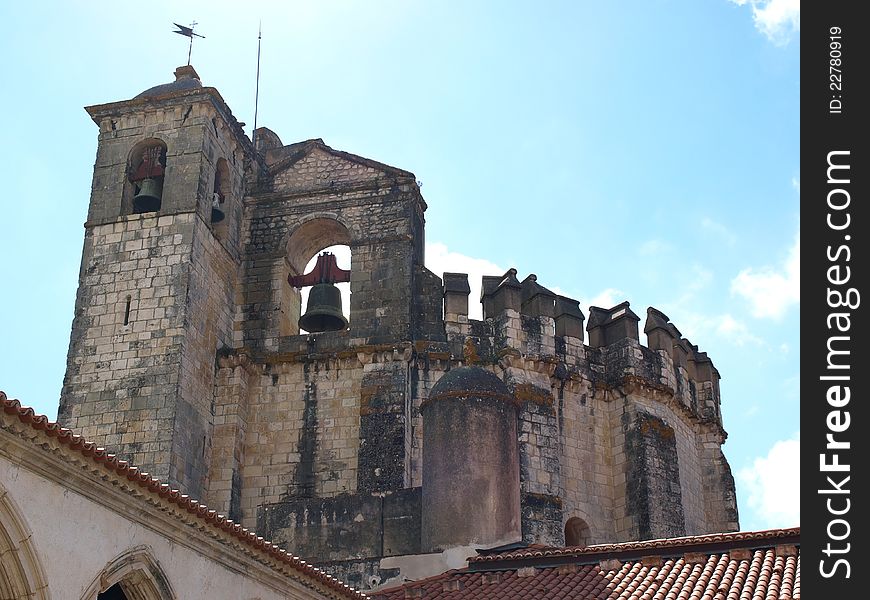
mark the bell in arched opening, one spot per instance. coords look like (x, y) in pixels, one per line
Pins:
(217, 213)
(146, 171)
(147, 199)
(323, 312)
(220, 191)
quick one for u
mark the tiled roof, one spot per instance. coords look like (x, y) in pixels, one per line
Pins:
(154, 486)
(747, 565)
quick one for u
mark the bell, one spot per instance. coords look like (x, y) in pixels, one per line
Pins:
(217, 215)
(324, 310)
(148, 198)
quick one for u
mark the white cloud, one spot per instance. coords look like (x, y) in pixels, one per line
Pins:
(719, 230)
(777, 19)
(701, 278)
(606, 298)
(772, 291)
(653, 247)
(697, 326)
(735, 331)
(773, 483)
(439, 259)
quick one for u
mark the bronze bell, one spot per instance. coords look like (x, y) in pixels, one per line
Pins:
(148, 198)
(217, 215)
(324, 310)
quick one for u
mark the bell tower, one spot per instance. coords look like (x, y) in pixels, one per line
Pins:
(158, 277)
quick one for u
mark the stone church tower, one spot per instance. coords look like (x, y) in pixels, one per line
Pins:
(377, 447)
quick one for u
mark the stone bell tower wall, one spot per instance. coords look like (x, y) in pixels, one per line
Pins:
(157, 289)
(313, 197)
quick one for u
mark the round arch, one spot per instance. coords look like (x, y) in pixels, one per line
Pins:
(21, 573)
(313, 234)
(138, 150)
(577, 532)
(134, 162)
(137, 573)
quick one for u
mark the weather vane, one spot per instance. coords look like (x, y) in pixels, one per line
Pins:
(188, 32)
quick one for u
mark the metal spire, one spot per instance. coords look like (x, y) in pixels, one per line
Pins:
(257, 89)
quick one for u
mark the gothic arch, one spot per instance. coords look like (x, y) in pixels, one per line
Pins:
(311, 235)
(21, 574)
(137, 573)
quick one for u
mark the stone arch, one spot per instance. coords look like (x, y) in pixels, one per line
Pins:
(312, 234)
(137, 573)
(577, 532)
(21, 573)
(134, 161)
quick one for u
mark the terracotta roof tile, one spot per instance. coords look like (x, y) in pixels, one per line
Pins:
(760, 572)
(154, 486)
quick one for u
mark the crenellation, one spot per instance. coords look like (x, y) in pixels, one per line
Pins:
(186, 357)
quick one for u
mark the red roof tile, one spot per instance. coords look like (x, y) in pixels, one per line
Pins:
(110, 462)
(747, 565)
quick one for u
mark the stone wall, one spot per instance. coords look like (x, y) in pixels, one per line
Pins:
(210, 385)
(123, 371)
(74, 528)
(156, 298)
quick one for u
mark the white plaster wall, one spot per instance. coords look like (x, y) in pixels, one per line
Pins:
(75, 538)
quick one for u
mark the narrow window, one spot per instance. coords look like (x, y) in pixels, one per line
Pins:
(220, 191)
(127, 312)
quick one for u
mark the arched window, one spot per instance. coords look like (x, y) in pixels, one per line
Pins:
(134, 575)
(113, 593)
(146, 167)
(21, 574)
(576, 532)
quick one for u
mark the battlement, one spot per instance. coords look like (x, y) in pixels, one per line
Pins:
(187, 358)
(525, 319)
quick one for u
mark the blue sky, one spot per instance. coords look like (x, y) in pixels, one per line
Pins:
(643, 150)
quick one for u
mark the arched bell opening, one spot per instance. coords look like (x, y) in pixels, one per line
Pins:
(325, 304)
(221, 192)
(143, 185)
(302, 277)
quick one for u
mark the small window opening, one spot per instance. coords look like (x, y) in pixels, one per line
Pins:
(127, 311)
(576, 532)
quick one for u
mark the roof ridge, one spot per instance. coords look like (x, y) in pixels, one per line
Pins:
(656, 544)
(134, 474)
